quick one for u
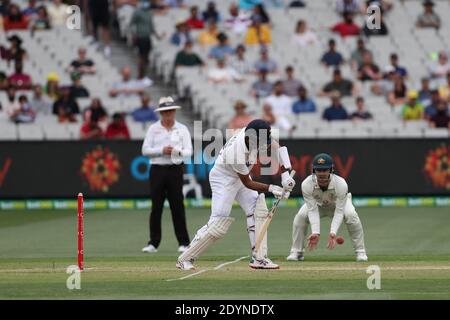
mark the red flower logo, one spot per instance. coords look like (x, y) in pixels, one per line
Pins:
(100, 168)
(437, 167)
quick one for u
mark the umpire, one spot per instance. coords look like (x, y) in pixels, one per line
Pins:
(166, 143)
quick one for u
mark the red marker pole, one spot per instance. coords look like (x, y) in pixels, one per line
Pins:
(80, 231)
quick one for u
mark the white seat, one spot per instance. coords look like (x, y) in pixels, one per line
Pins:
(437, 133)
(30, 132)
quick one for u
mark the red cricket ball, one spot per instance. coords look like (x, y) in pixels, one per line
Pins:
(340, 240)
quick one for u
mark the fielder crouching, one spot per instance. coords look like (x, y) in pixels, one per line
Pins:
(325, 194)
(230, 180)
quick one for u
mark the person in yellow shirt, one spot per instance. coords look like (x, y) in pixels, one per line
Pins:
(258, 33)
(412, 110)
(208, 37)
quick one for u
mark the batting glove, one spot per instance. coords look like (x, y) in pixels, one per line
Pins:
(277, 191)
(331, 241)
(287, 181)
(313, 240)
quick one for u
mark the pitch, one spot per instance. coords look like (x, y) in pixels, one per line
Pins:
(410, 245)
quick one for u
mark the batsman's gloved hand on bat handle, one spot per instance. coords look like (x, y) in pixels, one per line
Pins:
(277, 191)
(287, 181)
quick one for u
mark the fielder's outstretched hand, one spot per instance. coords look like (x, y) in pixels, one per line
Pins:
(331, 241)
(313, 240)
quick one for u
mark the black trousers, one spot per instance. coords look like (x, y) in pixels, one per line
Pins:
(167, 181)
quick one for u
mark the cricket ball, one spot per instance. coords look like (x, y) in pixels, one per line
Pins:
(340, 240)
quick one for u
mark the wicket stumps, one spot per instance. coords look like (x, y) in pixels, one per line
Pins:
(80, 231)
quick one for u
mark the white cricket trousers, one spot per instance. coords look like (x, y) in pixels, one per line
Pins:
(225, 190)
(351, 220)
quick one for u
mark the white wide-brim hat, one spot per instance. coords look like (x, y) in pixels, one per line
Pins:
(167, 103)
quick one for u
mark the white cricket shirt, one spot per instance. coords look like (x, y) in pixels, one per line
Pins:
(334, 197)
(158, 137)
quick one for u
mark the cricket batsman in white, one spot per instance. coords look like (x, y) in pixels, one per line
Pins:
(230, 180)
(325, 194)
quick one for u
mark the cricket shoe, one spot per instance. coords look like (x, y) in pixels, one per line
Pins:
(149, 249)
(361, 257)
(182, 249)
(185, 265)
(265, 263)
(295, 256)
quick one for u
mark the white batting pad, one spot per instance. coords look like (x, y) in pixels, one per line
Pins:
(261, 213)
(215, 230)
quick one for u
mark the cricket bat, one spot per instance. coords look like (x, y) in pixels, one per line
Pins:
(268, 220)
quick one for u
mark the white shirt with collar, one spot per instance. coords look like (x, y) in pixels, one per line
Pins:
(158, 137)
(335, 197)
(234, 157)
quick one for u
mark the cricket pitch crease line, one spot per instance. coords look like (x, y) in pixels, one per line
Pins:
(204, 270)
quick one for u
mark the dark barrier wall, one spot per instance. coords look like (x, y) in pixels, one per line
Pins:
(116, 169)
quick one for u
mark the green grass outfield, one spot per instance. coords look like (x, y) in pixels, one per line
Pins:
(411, 246)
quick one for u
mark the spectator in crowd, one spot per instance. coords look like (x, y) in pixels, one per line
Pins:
(142, 25)
(442, 118)
(440, 68)
(361, 113)
(99, 13)
(58, 13)
(52, 86)
(384, 5)
(40, 103)
(19, 79)
(304, 103)
(14, 19)
(303, 37)
(66, 107)
(343, 6)
(428, 19)
(399, 69)
(412, 110)
(181, 34)
(12, 102)
(3, 81)
(425, 91)
(444, 90)
(90, 129)
(239, 62)
(31, 9)
(344, 86)
(77, 89)
(297, 4)
(247, 5)
(368, 71)
(4, 5)
(261, 88)
(24, 114)
(356, 58)
(332, 58)
(222, 49)
(381, 31)
(385, 85)
(241, 118)
(260, 14)
(281, 103)
(194, 22)
(117, 129)
(238, 22)
(124, 10)
(222, 73)
(208, 37)
(291, 84)
(128, 86)
(96, 108)
(82, 64)
(336, 111)
(211, 13)
(347, 27)
(15, 52)
(157, 7)
(258, 33)
(431, 108)
(145, 113)
(41, 21)
(180, 4)
(265, 62)
(188, 58)
(398, 95)
(276, 121)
